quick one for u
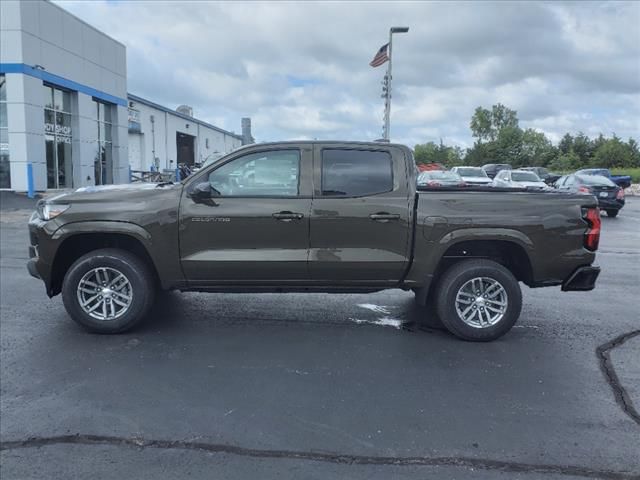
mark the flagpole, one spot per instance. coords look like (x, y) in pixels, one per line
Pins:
(387, 100)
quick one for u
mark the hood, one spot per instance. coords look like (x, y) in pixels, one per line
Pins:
(125, 192)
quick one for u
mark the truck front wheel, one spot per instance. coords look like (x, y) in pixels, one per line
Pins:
(108, 290)
(478, 300)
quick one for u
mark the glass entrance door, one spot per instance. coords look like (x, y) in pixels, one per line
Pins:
(57, 127)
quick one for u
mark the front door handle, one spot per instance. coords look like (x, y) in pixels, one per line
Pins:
(384, 217)
(287, 216)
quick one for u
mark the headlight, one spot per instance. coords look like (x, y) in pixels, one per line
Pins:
(47, 211)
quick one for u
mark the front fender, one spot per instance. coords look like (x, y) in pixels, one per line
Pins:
(161, 248)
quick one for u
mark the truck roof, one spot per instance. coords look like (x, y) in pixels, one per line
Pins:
(324, 142)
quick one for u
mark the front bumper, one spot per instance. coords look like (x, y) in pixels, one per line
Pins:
(581, 280)
(40, 249)
(32, 268)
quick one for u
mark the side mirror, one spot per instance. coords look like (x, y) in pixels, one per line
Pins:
(201, 191)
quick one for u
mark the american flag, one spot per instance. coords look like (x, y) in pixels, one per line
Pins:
(381, 57)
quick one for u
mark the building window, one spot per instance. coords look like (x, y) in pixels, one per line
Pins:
(5, 172)
(57, 136)
(103, 163)
(134, 121)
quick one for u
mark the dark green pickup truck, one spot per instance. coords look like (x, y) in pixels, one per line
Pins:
(337, 217)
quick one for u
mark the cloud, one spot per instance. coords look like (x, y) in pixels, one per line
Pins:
(300, 70)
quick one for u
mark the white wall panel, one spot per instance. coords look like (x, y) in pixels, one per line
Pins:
(10, 15)
(11, 46)
(50, 23)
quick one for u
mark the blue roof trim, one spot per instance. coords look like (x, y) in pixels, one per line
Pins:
(149, 103)
(60, 81)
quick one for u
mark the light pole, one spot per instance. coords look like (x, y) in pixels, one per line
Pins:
(387, 83)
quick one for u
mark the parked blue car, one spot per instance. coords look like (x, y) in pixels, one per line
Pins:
(623, 181)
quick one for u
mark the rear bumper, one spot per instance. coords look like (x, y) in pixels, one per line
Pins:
(610, 203)
(582, 279)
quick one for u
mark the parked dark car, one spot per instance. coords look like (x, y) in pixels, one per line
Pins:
(439, 178)
(545, 175)
(610, 196)
(338, 217)
(623, 181)
(492, 169)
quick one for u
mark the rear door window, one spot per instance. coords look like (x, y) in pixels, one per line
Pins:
(356, 173)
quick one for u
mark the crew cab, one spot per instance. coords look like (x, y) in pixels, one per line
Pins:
(312, 216)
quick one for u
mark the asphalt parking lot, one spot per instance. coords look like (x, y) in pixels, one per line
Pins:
(322, 386)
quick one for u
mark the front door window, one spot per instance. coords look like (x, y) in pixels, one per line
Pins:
(268, 174)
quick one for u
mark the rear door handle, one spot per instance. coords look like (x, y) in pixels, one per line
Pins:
(384, 217)
(287, 216)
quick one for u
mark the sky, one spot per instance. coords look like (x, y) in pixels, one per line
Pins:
(301, 70)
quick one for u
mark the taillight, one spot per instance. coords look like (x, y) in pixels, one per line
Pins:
(584, 190)
(592, 235)
(620, 194)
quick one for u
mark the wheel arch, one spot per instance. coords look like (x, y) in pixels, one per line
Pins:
(510, 252)
(79, 241)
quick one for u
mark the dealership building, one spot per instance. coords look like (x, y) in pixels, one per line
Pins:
(66, 119)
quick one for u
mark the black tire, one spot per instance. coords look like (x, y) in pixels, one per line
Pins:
(456, 277)
(612, 213)
(141, 283)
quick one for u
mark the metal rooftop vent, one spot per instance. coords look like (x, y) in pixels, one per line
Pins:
(185, 110)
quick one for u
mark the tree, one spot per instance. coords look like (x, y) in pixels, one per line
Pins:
(426, 153)
(567, 161)
(566, 144)
(481, 125)
(431, 152)
(537, 149)
(613, 153)
(583, 147)
(635, 152)
(487, 124)
(503, 117)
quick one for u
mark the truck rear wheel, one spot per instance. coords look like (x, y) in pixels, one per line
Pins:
(108, 290)
(478, 300)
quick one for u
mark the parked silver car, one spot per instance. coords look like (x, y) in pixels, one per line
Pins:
(472, 175)
(518, 179)
(440, 178)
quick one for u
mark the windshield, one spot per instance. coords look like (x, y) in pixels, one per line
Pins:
(524, 177)
(596, 180)
(472, 172)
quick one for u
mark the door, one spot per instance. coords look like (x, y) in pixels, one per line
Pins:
(361, 215)
(185, 149)
(255, 227)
